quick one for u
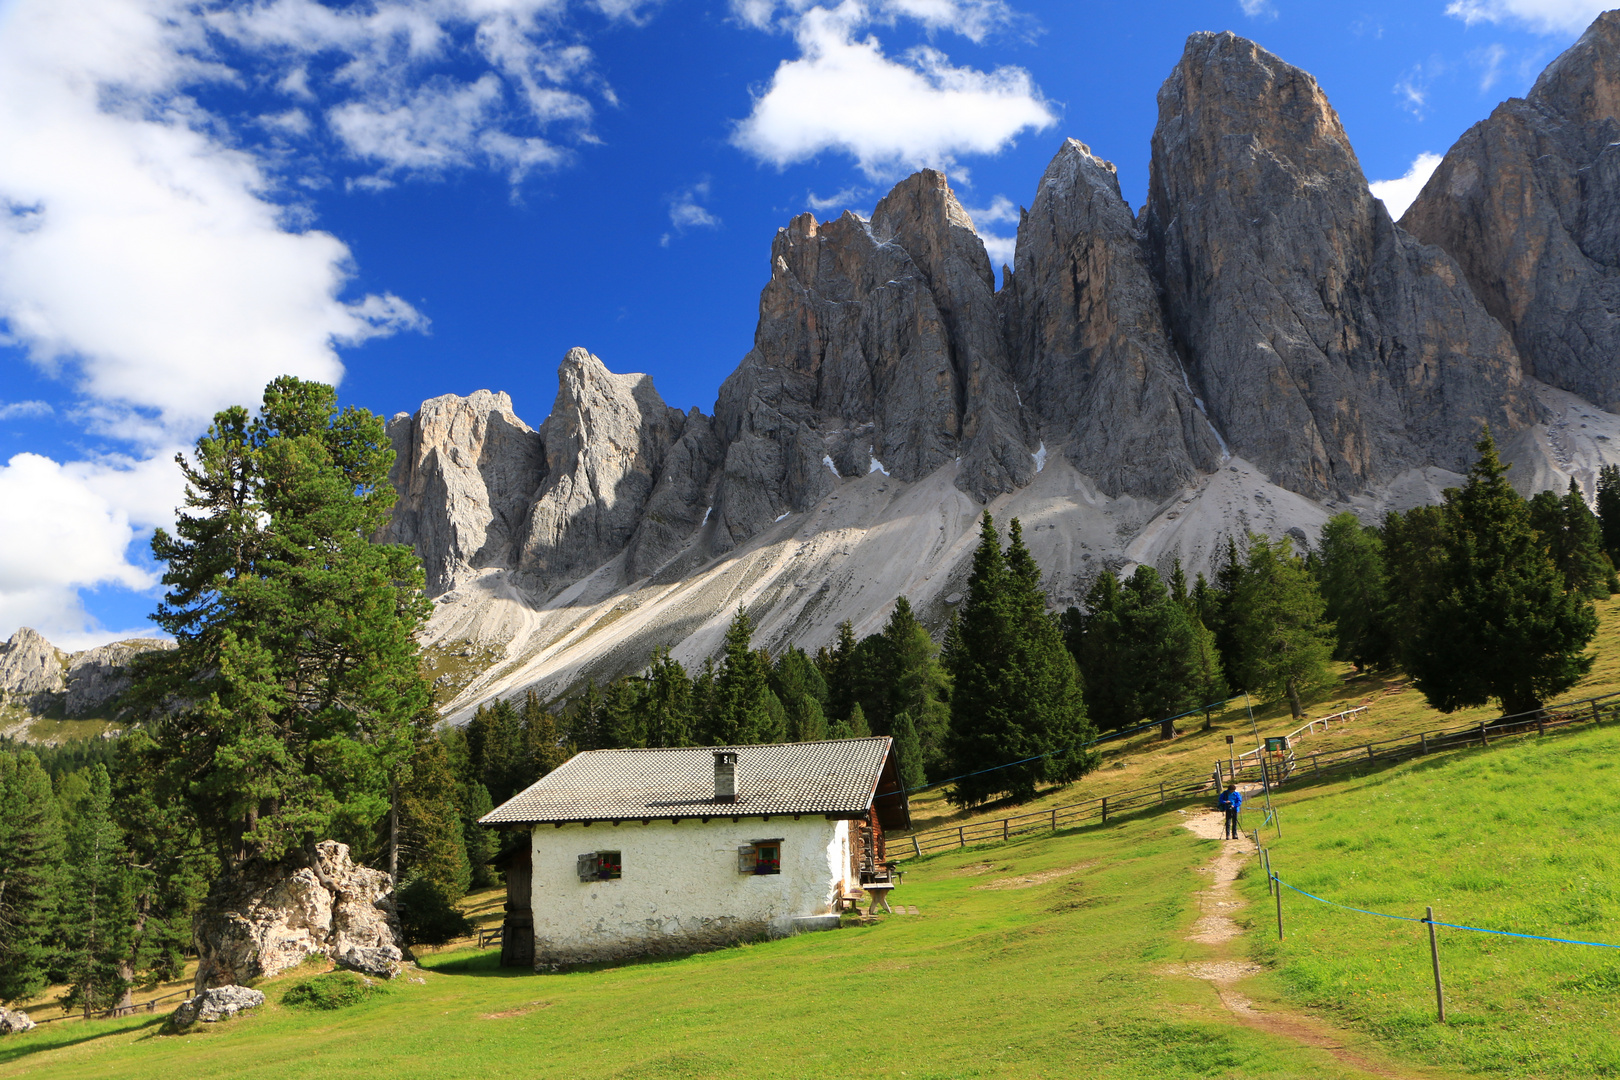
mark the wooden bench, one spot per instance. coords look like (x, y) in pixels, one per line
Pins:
(846, 903)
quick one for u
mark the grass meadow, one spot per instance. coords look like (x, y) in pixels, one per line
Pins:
(1520, 837)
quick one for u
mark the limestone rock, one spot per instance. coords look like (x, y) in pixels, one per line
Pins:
(97, 678)
(269, 919)
(219, 1003)
(606, 441)
(15, 1022)
(379, 961)
(680, 500)
(1528, 203)
(1092, 353)
(466, 469)
(31, 669)
(1331, 347)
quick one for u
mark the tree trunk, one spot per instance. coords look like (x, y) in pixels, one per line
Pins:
(1167, 730)
(393, 830)
(1293, 700)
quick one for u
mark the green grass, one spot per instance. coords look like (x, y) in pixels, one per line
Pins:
(334, 990)
(1518, 838)
(1070, 977)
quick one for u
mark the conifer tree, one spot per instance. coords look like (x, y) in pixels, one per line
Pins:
(432, 839)
(1574, 539)
(583, 723)
(1228, 579)
(1608, 510)
(917, 683)
(740, 713)
(667, 703)
(481, 844)
(31, 852)
(1101, 645)
(1501, 623)
(98, 910)
(289, 699)
(908, 752)
(1350, 573)
(543, 748)
(1414, 559)
(838, 669)
(799, 686)
(1282, 635)
(623, 719)
(1172, 671)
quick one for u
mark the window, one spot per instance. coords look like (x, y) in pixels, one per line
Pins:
(760, 857)
(600, 866)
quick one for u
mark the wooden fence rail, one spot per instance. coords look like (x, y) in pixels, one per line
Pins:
(1295, 765)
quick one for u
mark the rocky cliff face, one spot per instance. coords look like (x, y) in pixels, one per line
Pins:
(1092, 353)
(1334, 349)
(1528, 203)
(38, 679)
(1259, 348)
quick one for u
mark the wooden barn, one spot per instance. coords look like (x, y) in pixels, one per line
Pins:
(635, 852)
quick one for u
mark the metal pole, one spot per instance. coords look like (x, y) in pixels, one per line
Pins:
(1434, 954)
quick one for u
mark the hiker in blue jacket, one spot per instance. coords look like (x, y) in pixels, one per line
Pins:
(1232, 802)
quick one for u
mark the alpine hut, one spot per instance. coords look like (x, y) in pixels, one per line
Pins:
(634, 852)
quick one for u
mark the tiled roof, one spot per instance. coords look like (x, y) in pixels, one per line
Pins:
(836, 777)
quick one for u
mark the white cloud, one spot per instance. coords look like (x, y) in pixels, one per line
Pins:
(1399, 193)
(1490, 58)
(1412, 88)
(1541, 16)
(687, 212)
(1258, 9)
(14, 410)
(972, 19)
(69, 527)
(839, 200)
(891, 115)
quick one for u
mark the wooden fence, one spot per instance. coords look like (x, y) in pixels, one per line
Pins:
(1279, 770)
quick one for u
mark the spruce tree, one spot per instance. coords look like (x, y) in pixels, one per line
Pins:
(1168, 657)
(98, 904)
(583, 723)
(1608, 510)
(432, 839)
(1501, 623)
(740, 714)
(838, 669)
(917, 683)
(1102, 648)
(667, 703)
(1574, 540)
(1350, 573)
(623, 721)
(543, 748)
(909, 752)
(799, 686)
(1279, 626)
(481, 844)
(287, 705)
(1414, 559)
(1229, 573)
(31, 852)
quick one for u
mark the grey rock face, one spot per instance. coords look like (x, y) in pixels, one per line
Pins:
(606, 442)
(1528, 203)
(219, 1003)
(269, 919)
(466, 469)
(15, 1022)
(1086, 328)
(1332, 348)
(878, 343)
(97, 677)
(31, 668)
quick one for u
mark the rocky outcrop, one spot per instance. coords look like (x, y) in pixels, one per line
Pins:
(606, 442)
(268, 919)
(15, 1022)
(32, 670)
(1331, 347)
(879, 347)
(212, 1006)
(97, 678)
(1093, 357)
(1528, 203)
(467, 470)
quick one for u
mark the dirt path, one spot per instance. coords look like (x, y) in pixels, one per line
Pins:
(1215, 927)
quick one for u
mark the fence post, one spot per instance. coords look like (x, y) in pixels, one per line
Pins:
(1161, 793)
(1105, 810)
(960, 838)
(1434, 954)
(1265, 857)
(1483, 741)
(916, 846)
(1424, 741)
(1595, 719)
(1541, 725)
(1054, 819)
(1278, 882)
(1369, 752)
(1005, 822)
(1316, 765)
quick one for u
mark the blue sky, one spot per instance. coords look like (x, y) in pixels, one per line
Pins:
(418, 197)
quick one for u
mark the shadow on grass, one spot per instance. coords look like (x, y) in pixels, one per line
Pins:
(41, 1039)
(487, 964)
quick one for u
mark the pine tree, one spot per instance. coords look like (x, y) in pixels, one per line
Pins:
(543, 748)
(623, 723)
(1164, 643)
(667, 703)
(289, 699)
(740, 714)
(31, 852)
(917, 683)
(432, 838)
(1414, 562)
(98, 909)
(1228, 579)
(908, 752)
(800, 687)
(838, 670)
(1350, 573)
(1501, 623)
(1608, 510)
(481, 844)
(1102, 648)
(583, 722)
(1574, 540)
(1282, 634)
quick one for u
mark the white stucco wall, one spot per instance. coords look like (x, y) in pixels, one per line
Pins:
(680, 890)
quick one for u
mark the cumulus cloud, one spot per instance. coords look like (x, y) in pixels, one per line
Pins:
(1258, 9)
(890, 114)
(1541, 16)
(686, 211)
(1489, 59)
(999, 246)
(69, 527)
(1399, 193)
(972, 19)
(840, 200)
(22, 410)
